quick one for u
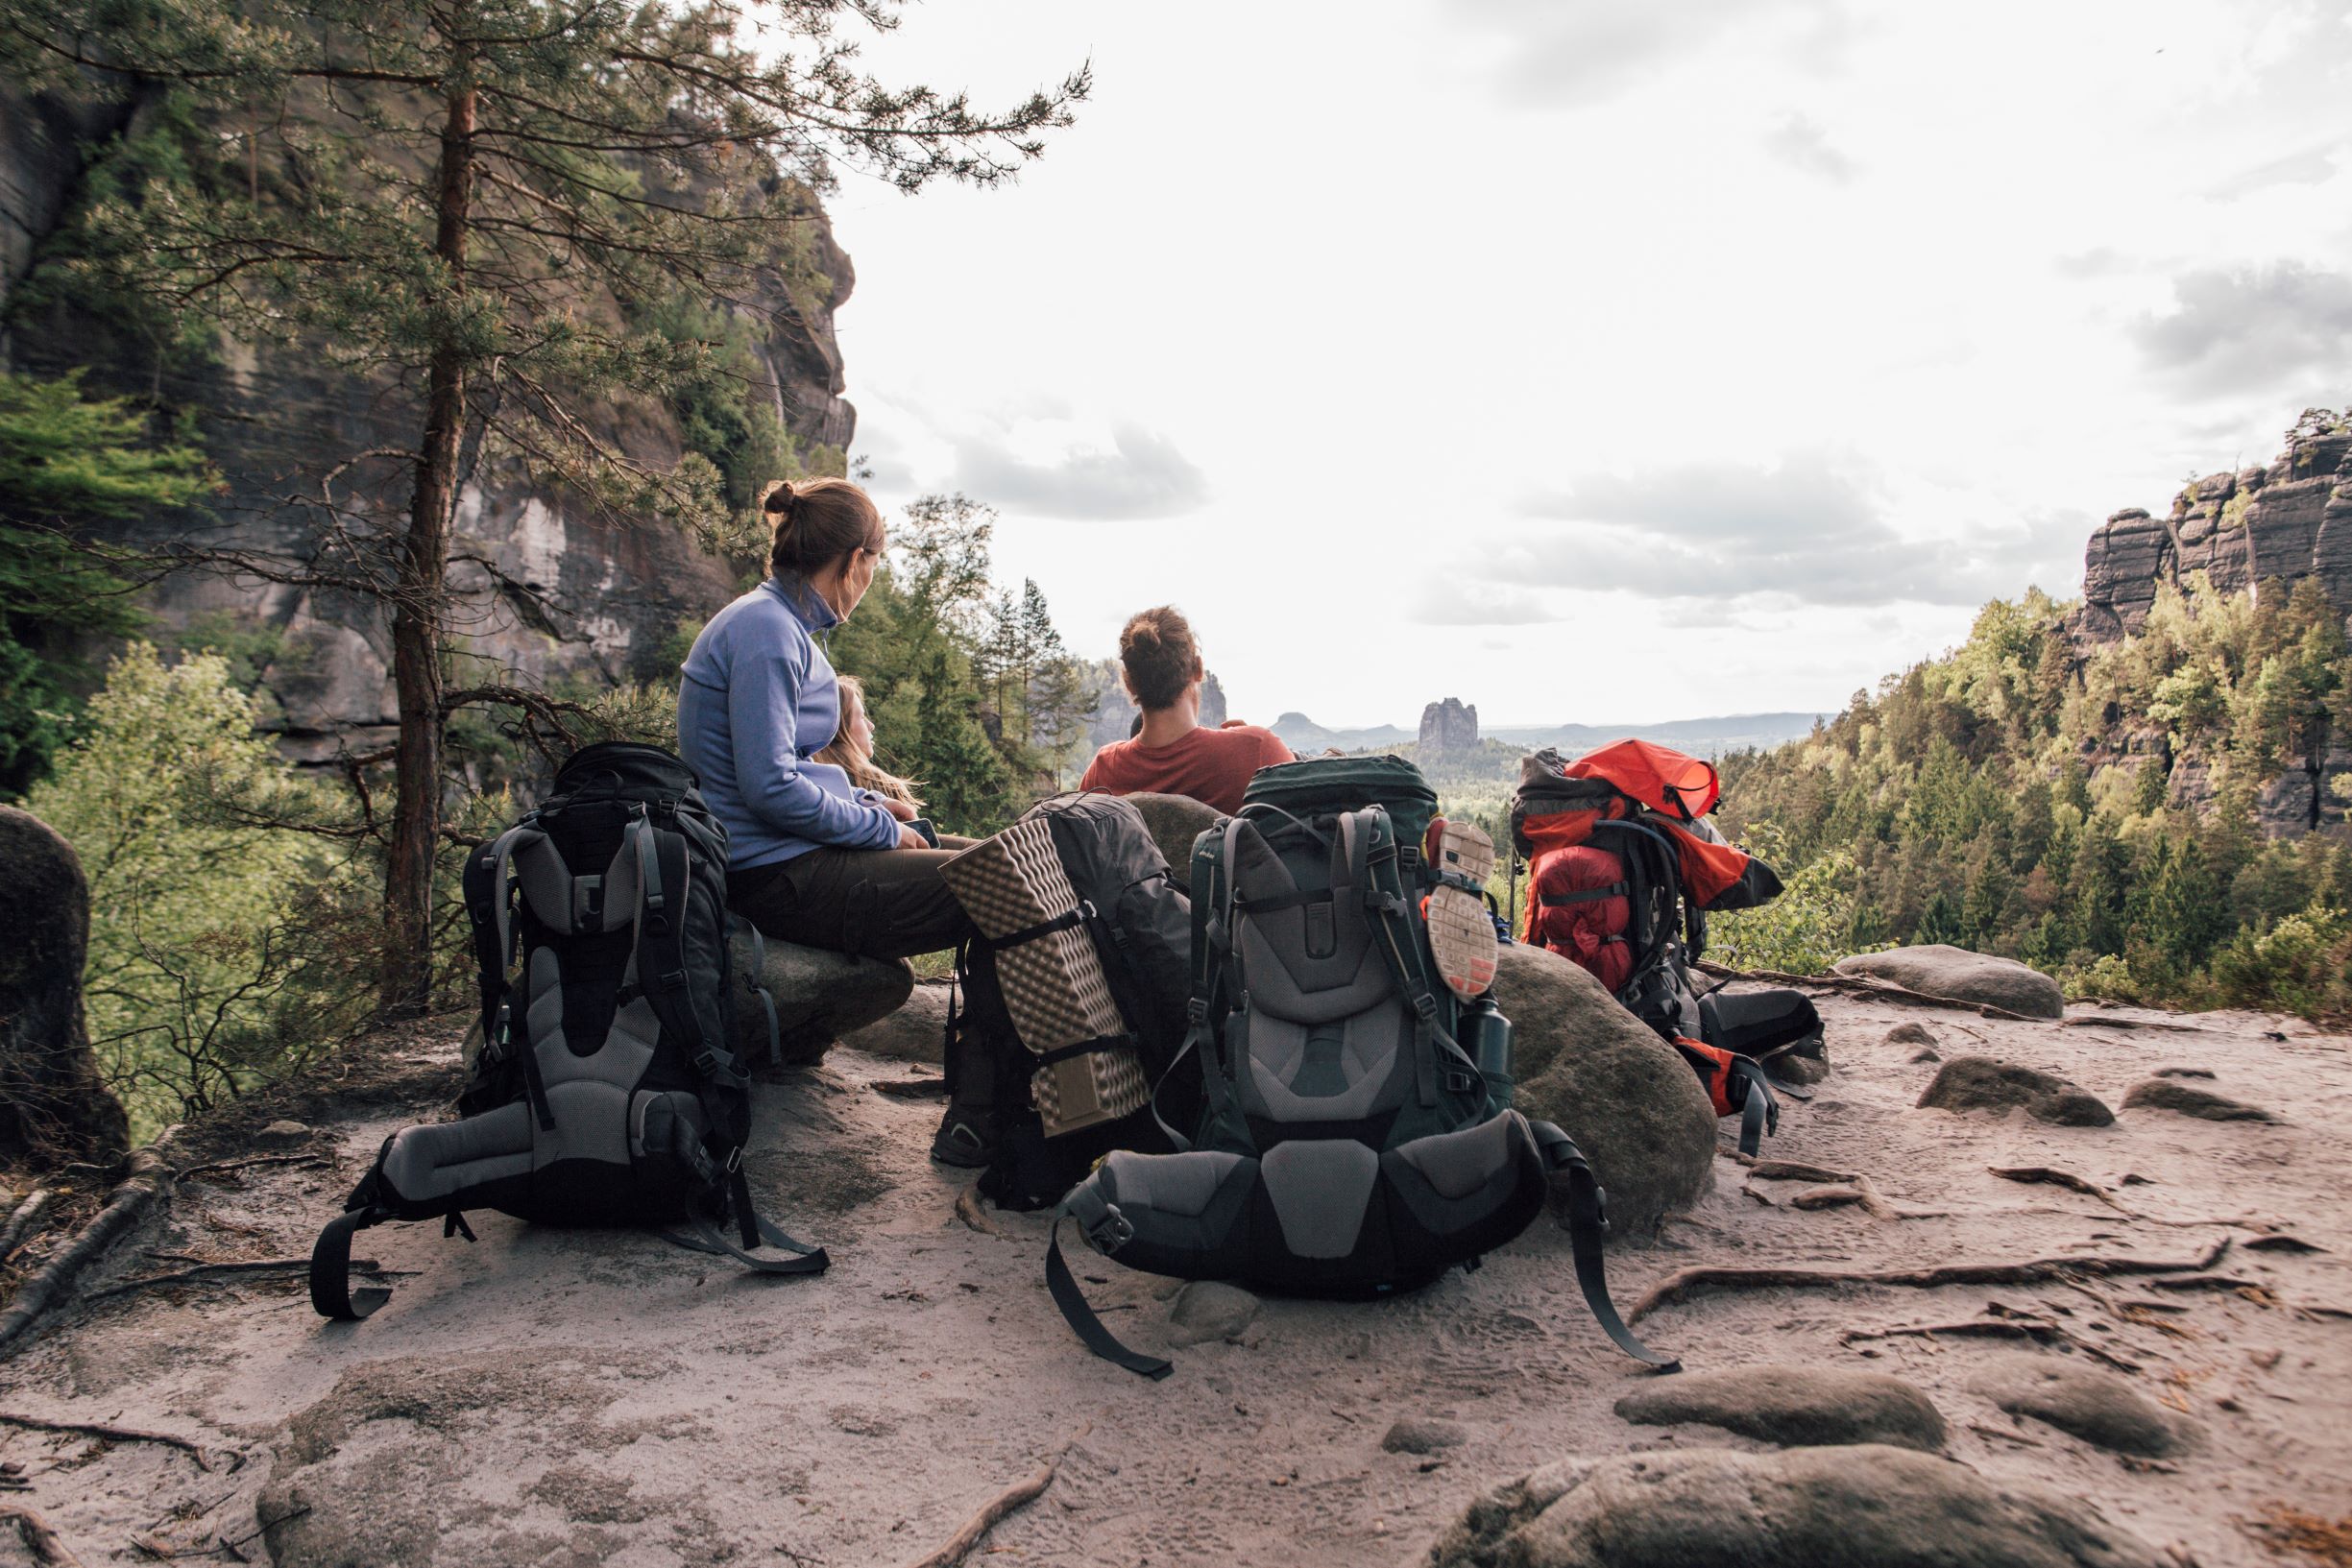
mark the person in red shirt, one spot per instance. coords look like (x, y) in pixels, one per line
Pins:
(1174, 753)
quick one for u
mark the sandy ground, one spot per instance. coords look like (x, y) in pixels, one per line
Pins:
(552, 1397)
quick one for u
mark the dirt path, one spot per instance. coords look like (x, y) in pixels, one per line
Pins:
(551, 1397)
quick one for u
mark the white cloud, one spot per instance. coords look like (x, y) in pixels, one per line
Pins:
(1801, 143)
(2235, 330)
(1142, 475)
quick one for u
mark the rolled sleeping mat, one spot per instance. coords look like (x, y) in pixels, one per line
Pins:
(1048, 968)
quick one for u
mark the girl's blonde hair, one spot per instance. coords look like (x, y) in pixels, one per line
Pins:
(854, 759)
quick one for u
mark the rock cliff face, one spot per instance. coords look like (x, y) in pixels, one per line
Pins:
(1449, 726)
(275, 419)
(2258, 530)
(2252, 529)
(1115, 713)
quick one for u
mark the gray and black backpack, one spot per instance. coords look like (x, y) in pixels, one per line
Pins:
(604, 1092)
(1357, 1136)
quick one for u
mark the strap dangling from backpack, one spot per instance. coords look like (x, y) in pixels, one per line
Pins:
(1075, 1310)
(1587, 1225)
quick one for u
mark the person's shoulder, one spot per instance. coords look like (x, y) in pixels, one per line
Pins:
(1262, 740)
(1106, 760)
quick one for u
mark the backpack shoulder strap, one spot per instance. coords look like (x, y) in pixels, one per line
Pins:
(1371, 841)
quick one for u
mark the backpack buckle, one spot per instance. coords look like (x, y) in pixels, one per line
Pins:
(1110, 1232)
(1459, 1082)
(1195, 1010)
(734, 1159)
(672, 979)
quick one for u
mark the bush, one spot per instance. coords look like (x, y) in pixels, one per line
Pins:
(224, 950)
(2302, 965)
(1808, 927)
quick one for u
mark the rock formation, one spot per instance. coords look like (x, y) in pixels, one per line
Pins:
(53, 1107)
(274, 417)
(1115, 713)
(2252, 529)
(1449, 726)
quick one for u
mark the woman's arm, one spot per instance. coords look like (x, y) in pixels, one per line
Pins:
(762, 698)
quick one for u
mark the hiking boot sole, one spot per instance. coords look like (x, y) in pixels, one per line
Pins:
(1462, 934)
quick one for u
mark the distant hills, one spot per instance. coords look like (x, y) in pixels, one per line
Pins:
(1701, 736)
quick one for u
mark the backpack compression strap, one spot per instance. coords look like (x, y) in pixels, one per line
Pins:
(1587, 1223)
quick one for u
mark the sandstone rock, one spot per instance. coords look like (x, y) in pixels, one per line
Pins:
(1910, 1034)
(1174, 822)
(1790, 1068)
(1953, 972)
(1980, 1083)
(1794, 1406)
(284, 1131)
(53, 1107)
(1630, 1102)
(1804, 1507)
(1449, 726)
(819, 997)
(394, 1467)
(1208, 1310)
(916, 1033)
(2164, 1094)
(2097, 1407)
(1423, 1435)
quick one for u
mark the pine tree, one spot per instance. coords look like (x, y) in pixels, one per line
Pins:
(1942, 922)
(67, 461)
(434, 190)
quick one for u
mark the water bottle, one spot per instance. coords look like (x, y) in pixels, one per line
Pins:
(1485, 1035)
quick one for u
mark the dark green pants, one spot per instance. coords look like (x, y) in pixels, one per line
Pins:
(882, 903)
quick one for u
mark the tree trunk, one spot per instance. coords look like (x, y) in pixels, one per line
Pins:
(418, 608)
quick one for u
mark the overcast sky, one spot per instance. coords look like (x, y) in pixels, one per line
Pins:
(1600, 361)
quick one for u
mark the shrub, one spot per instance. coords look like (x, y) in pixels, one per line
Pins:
(225, 950)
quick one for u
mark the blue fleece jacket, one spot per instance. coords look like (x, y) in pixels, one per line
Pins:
(758, 699)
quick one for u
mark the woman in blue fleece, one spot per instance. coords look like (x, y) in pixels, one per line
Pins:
(811, 858)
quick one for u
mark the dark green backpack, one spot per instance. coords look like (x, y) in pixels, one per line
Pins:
(1357, 1137)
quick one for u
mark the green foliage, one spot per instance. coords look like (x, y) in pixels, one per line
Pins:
(2005, 798)
(971, 692)
(225, 950)
(67, 461)
(1808, 927)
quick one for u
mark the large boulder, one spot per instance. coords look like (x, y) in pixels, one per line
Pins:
(2166, 1093)
(1801, 1508)
(1942, 971)
(2095, 1406)
(1811, 1406)
(819, 997)
(1174, 822)
(1630, 1102)
(53, 1107)
(1984, 1083)
(916, 1033)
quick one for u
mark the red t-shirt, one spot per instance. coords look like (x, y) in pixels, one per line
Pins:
(1213, 766)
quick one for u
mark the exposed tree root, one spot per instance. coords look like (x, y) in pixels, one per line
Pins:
(125, 1207)
(969, 1210)
(25, 1222)
(2055, 1177)
(39, 1538)
(118, 1435)
(1019, 1495)
(1791, 1171)
(206, 1274)
(1685, 1284)
(2040, 1330)
(219, 1165)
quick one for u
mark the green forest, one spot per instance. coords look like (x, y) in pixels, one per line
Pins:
(2095, 816)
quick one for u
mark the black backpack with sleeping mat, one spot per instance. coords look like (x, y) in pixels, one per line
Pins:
(604, 1092)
